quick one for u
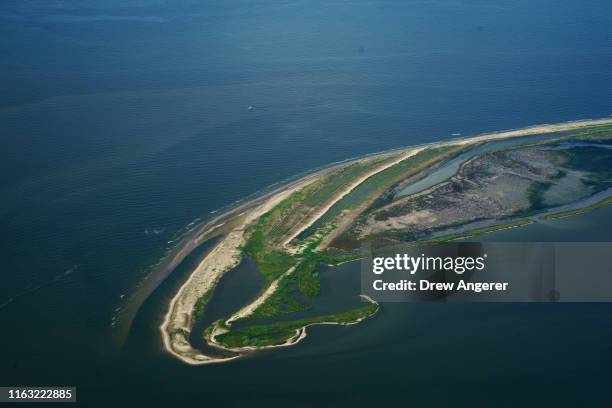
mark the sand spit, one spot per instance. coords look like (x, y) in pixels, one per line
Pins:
(226, 255)
(178, 321)
(300, 334)
(251, 307)
(533, 130)
(337, 197)
(346, 220)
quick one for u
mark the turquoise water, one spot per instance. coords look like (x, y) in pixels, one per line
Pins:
(123, 122)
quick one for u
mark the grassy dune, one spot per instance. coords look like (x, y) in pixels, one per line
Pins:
(266, 239)
(279, 333)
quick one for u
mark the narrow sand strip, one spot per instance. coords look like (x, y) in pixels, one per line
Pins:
(319, 213)
(251, 307)
(300, 334)
(226, 255)
(178, 321)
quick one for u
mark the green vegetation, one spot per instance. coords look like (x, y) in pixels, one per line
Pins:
(577, 211)
(374, 191)
(267, 234)
(278, 333)
(311, 243)
(180, 331)
(477, 232)
(304, 279)
(593, 133)
(271, 263)
(281, 301)
(309, 283)
(200, 305)
(209, 330)
(265, 243)
(321, 191)
(381, 182)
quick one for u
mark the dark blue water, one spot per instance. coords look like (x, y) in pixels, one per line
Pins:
(121, 122)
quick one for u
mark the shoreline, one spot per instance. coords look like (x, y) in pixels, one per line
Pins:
(226, 254)
(224, 257)
(318, 214)
(300, 334)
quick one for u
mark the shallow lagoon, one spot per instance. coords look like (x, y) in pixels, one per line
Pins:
(437, 351)
(112, 127)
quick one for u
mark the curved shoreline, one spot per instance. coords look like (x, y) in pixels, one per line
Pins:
(178, 319)
(300, 334)
(225, 256)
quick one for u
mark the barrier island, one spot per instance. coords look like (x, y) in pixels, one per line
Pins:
(467, 187)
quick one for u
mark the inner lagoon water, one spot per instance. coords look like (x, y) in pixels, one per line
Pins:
(451, 167)
(123, 122)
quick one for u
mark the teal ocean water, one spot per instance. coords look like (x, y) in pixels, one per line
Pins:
(124, 124)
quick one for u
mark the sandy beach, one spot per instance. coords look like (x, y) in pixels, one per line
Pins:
(178, 321)
(226, 255)
(300, 334)
(318, 214)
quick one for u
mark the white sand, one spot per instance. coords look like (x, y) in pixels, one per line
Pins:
(350, 187)
(226, 255)
(300, 334)
(251, 307)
